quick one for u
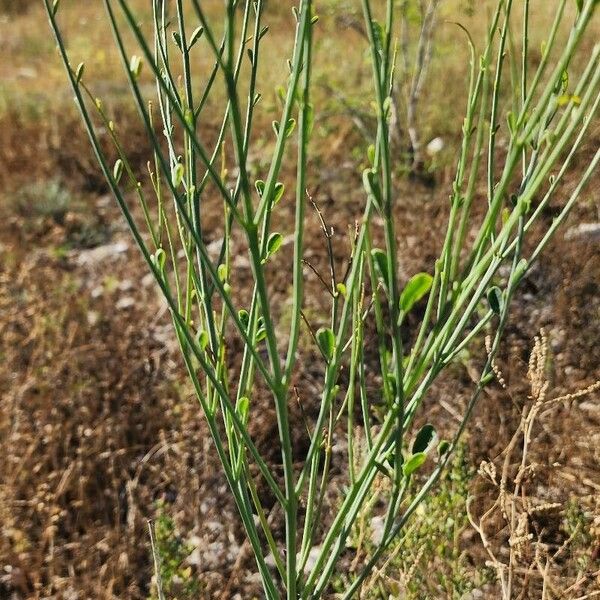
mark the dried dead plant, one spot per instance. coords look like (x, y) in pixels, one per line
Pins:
(514, 529)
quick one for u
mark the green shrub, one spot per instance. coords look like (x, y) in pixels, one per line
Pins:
(522, 158)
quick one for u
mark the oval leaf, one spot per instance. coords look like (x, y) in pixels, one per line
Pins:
(202, 339)
(341, 289)
(371, 154)
(371, 185)
(197, 33)
(290, 126)
(79, 72)
(417, 287)
(381, 266)
(135, 65)
(177, 40)
(118, 170)
(424, 439)
(244, 317)
(444, 447)
(243, 408)
(413, 463)
(177, 172)
(222, 272)
(495, 300)
(326, 341)
(274, 243)
(279, 189)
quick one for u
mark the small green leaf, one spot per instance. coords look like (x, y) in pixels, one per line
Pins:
(276, 127)
(326, 341)
(259, 184)
(261, 332)
(278, 194)
(79, 72)
(314, 19)
(381, 265)
(341, 289)
(488, 378)
(202, 339)
(281, 93)
(177, 173)
(371, 185)
(196, 35)
(244, 318)
(159, 258)
(417, 287)
(177, 40)
(413, 463)
(495, 300)
(424, 439)
(118, 170)
(371, 154)
(289, 128)
(243, 408)
(443, 447)
(378, 35)
(135, 65)
(274, 243)
(222, 272)
(279, 189)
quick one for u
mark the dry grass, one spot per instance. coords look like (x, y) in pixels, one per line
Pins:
(539, 539)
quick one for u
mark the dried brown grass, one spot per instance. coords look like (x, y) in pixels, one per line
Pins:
(93, 431)
(538, 537)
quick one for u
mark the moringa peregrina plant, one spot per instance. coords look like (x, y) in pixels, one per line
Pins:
(549, 120)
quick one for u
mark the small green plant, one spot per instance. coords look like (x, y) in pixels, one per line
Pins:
(177, 580)
(522, 154)
(427, 560)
